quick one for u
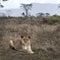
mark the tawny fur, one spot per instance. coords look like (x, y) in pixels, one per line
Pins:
(24, 43)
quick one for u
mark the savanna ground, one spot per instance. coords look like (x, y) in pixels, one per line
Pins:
(45, 38)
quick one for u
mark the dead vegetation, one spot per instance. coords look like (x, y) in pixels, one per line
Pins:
(45, 39)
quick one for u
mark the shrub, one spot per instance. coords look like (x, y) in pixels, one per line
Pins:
(54, 21)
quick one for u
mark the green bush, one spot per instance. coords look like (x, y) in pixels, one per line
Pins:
(50, 20)
(54, 21)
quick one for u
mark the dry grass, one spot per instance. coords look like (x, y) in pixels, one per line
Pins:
(45, 39)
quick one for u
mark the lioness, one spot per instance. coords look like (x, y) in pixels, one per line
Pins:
(24, 43)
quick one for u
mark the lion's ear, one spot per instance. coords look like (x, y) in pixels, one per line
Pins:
(29, 37)
(21, 36)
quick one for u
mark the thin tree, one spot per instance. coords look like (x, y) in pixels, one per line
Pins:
(26, 8)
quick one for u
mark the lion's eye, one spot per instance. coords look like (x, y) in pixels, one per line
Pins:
(29, 37)
(21, 36)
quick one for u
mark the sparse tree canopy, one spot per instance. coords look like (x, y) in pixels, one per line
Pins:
(1, 6)
(23, 14)
(26, 7)
(47, 14)
(40, 14)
